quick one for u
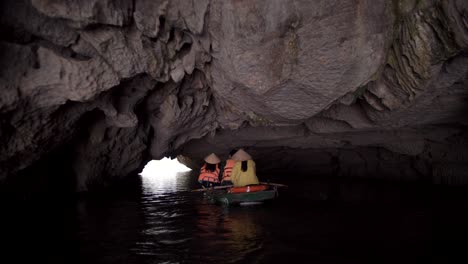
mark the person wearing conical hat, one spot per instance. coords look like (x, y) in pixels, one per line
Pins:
(209, 172)
(244, 172)
(226, 168)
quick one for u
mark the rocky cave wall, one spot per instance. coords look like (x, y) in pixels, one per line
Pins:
(93, 89)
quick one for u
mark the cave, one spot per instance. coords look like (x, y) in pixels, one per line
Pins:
(334, 92)
(91, 91)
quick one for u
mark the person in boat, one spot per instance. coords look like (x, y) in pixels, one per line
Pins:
(226, 169)
(209, 172)
(244, 171)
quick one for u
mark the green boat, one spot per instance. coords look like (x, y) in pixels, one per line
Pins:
(225, 197)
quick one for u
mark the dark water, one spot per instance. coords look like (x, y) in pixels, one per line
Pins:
(160, 221)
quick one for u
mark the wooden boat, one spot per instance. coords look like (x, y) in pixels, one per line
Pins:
(251, 194)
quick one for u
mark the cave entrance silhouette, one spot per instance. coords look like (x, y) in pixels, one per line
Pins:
(163, 176)
(163, 168)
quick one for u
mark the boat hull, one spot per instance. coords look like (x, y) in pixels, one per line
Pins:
(226, 198)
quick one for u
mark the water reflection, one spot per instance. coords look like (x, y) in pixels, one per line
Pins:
(168, 224)
(165, 183)
(226, 234)
(167, 211)
(181, 226)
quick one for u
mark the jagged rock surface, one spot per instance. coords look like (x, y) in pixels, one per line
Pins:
(355, 89)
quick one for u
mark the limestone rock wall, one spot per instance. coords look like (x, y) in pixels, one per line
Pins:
(376, 85)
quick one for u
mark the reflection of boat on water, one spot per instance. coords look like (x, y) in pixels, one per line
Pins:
(251, 194)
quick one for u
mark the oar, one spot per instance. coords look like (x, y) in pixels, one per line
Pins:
(274, 184)
(212, 188)
(229, 186)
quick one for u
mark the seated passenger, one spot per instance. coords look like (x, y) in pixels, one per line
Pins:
(227, 169)
(209, 172)
(244, 172)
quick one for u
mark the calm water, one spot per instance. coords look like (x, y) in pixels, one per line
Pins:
(160, 221)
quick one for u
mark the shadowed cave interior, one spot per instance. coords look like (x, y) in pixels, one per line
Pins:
(347, 91)
(360, 107)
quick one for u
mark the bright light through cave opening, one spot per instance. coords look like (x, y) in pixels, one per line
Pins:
(165, 167)
(164, 176)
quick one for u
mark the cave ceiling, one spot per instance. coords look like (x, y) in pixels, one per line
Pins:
(107, 85)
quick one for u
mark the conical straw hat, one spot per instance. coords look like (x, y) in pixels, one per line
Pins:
(241, 155)
(212, 159)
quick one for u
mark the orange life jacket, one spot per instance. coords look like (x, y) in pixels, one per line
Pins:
(209, 176)
(228, 169)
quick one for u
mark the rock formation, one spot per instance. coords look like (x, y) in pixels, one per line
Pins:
(93, 89)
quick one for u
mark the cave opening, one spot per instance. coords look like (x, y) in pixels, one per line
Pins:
(163, 176)
(165, 167)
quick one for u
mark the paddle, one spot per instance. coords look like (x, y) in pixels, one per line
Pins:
(212, 188)
(274, 184)
(229, 186)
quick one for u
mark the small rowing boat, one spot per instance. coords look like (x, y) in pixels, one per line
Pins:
(250, 194)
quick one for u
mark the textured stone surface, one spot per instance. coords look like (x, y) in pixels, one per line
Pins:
(288, 61)
(345, 88)
(87, 12)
